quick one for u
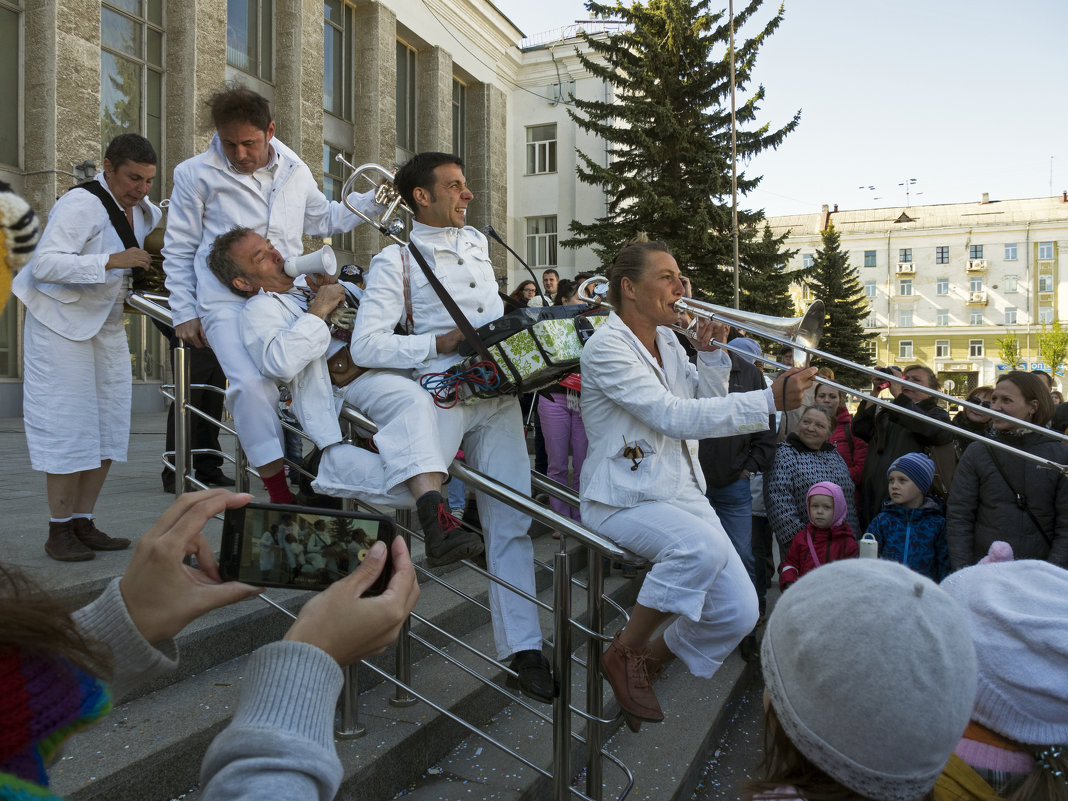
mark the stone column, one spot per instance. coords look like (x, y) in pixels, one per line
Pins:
(434, 104)
(298, 94)
(62, 79)
(487, 164)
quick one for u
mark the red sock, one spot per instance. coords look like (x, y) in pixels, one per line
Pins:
(277, 489)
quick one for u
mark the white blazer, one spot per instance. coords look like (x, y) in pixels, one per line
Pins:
(65, 286)
(626, 396)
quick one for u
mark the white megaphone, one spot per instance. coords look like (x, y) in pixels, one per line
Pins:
(321, 261)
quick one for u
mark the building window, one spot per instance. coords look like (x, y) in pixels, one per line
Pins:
(942, 286)
(904, 349)
(904, 318)
(131, 72)
(904, 255)
(1010, 284)
(1045, 315)
(541, 241)
(975, 251)
(541, 149)
(807, 260)
(869, 258)
(1045, 282)
(249, 36)
(1010, 316)
(872, 321)
(872, 350)
(975, 348)
(942, 254)
(941, 348)
(941, 317)
(405, 102)
(975, 283)
(869, 289)
(1045, 250)
(904, 287)
(459, 119)
(337, 58)
(1010, 252)
(975, 316)
(10, 82)
(333, 180)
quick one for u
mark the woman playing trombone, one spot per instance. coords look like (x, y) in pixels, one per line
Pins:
(645, 406)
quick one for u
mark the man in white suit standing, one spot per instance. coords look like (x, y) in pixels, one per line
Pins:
(76, 357)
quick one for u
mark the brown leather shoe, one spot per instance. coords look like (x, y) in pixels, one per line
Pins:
(88, 534)
(63, 546)
(628, 673)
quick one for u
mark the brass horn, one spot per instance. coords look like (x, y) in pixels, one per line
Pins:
(386, 194)
(803, 334)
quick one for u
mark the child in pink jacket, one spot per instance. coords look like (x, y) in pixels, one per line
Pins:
(826, 538)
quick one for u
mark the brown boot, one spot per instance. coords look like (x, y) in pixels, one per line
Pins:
(88, 534)
(628, 673)
(63, 546)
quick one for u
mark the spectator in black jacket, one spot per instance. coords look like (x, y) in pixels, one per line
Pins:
(891, 435)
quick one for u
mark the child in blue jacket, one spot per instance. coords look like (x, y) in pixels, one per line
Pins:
(911, 528)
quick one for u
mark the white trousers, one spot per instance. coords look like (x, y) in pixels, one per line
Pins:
(76, 396)
(407, 442)
(697, 574)
(491, 432)
(251, 398)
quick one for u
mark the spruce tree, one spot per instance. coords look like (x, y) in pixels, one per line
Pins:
(668, 134)
(765, 282)
(832, 280)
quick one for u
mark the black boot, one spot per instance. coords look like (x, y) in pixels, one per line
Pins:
(444, 538)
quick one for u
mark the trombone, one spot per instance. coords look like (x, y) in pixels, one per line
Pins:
(386, 194)
(802, 334)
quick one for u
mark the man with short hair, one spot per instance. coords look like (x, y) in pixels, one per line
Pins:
(289, 330)
(550, 280)
(491, 430)
(245, 177)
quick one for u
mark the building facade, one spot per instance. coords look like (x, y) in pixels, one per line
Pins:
(945, 283)
(371, 81)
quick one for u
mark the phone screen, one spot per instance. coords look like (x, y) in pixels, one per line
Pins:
(302, 548)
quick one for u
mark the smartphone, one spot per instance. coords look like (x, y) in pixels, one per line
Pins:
(300, 548)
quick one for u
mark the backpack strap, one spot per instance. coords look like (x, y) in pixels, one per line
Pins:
(118, 218)
(1020, 497)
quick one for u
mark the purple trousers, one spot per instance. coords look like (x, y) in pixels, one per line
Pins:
(563, 432)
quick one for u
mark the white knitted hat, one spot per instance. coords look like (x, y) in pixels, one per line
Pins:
(1017, 614)
(871, 673)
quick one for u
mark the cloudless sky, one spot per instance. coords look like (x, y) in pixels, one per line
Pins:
(965, 96)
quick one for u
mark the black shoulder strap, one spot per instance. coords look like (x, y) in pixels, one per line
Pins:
(472, 337)
(1021, 498)
(118, 218)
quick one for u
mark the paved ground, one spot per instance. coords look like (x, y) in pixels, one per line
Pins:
(130, 503)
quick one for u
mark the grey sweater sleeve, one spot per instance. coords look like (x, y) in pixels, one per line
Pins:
(280, 743)
(134, 659)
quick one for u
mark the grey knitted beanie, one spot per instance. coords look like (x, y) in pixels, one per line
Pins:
(1017, 614)
(870, 669)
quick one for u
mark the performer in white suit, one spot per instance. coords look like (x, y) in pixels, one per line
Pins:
(246, 177)
(76, 358)
(645, 406)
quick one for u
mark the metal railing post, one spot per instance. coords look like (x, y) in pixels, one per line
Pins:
(350, 728)
(594, 687)
(562, 675)
(403, 667)
(182, 456)
(241, 482)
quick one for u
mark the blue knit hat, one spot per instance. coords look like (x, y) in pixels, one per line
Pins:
(918, 467)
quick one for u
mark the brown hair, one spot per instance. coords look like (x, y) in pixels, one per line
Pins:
(1041, 783)
(1032, 388)
(221, 260)
(35, 621)
(237, 103)
(932, 379)
(630, 263)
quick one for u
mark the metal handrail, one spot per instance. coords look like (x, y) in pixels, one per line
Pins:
(563, 581)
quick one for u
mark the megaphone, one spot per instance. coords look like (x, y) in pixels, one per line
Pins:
(321, 261)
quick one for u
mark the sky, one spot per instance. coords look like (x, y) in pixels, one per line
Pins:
(964, 96)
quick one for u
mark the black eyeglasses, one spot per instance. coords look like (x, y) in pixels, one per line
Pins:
(984, 403)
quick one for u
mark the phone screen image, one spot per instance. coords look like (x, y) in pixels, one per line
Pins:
(299, 548)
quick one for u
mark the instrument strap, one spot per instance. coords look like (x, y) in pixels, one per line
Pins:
(118, 218)
(472, 337)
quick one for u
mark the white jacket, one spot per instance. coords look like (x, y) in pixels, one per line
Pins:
(209, 198)
(459, 258)
(626, 396)
(291, 346)
(65, 285)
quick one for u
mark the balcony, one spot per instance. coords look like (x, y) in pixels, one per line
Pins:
(906, 268)
(977, 298)
(976, 265)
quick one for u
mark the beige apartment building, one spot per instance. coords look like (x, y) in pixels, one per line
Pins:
(946, 282)
(372, 80)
